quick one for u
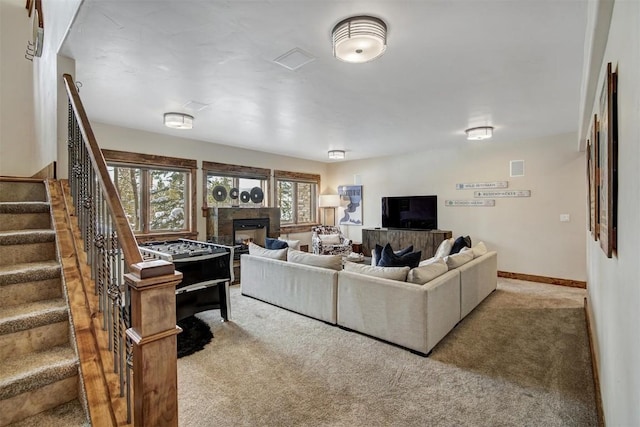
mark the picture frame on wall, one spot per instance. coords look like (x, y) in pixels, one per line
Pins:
(350, 204)
(608, 163)
(592, 177)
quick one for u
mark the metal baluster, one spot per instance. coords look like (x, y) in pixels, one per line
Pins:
(114, 297)
(129, 347)
(101, 259)
(91, 214)
(70, 118)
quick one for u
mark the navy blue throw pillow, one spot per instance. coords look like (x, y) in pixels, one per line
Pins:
(378, 252)
(460, 242)
(275, 244)
(390, 259)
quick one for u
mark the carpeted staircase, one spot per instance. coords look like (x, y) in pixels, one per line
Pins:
(39, 365)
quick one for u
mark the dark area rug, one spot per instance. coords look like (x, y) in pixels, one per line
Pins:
(195, 335)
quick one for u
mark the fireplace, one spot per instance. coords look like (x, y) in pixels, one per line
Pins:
(250, 230)
(226, 226)
(224, 223)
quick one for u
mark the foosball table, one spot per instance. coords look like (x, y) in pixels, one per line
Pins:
(207, 272)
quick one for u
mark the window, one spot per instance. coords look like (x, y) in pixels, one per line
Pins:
(165, 190)
(155, 191)
(241, 185)
(296, 196)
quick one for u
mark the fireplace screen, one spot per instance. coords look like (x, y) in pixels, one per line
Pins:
(246, 231)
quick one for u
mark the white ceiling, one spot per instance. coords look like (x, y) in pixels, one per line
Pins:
(449, 65)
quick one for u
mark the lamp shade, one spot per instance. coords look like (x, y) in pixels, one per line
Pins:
(178, 121)
(329, 201)
(359, 39)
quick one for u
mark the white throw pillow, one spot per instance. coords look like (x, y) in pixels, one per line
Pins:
(456, 260)
(392, 273)
(479, 249)
(256, 250)
(293, 244)
(425, 273)
(333, 262)
(468, 249)
(329, 239)
(445, 248)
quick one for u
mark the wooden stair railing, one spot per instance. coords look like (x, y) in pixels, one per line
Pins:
(136, 298)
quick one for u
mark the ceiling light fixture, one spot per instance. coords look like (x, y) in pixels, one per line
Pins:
(336, 154)
(178, 121)
(359, 39)
(479, 133)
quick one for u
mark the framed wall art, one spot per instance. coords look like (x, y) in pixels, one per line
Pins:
(350, 204)
(592, 177)
(608, 163)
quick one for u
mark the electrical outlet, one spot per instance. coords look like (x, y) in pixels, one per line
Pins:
(565, 218)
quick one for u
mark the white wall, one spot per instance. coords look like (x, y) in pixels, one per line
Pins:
(17, 133)
(124, 139)
(613, 285)
(526, 232)
(28, 129)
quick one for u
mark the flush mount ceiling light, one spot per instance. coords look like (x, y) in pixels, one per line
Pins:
(178, 121)
(479, 133)
(359, 39)
(336, 154)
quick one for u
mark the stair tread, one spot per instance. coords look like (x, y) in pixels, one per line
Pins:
(37, 369)
(24, 207)
(65, 415)
(33, 314)
(19, 237)
(29, 271)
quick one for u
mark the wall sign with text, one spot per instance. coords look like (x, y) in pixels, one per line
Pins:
(503, 193)
(478, 185)
(470, 203)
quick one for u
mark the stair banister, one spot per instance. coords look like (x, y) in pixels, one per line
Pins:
(140, 316)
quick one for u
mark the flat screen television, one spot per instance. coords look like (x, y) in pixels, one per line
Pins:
(417, 212)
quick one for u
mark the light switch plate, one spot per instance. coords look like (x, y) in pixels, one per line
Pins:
(565, 218)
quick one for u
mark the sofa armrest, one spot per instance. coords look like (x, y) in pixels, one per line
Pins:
(413, 316)
(305, 289)
(478, 278)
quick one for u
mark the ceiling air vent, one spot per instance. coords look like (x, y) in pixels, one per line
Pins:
(294, 59)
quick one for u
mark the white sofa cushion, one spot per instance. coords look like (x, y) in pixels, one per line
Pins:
(293, 244)
(392, 273)
(427, 272)
(257, 250)
(479, 249)
(430, 261)
(445, 248)
(333, 262)
(461, 258)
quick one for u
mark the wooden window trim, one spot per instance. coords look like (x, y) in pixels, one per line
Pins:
(297, 176)
(313, 178)
(152, 160)
(148, 159)
(297, 228)
(235, 171)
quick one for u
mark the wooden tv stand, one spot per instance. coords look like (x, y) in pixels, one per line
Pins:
(426, 241)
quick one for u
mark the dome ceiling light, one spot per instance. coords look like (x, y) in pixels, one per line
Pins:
(479, 133)
(178, 121)
(359, 39)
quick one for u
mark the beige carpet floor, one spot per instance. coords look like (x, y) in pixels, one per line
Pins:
(521, 358)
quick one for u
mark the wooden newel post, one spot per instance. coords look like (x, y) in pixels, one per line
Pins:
(154, 334)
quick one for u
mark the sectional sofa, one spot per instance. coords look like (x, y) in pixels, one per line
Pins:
(414, 316)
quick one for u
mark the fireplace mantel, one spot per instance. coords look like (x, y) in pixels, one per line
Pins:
(220, 222)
